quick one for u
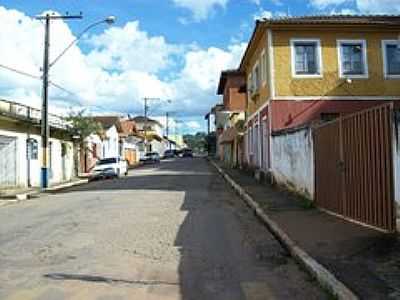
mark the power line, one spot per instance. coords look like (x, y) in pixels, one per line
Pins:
(38, 78)
(20, 72)
(56, 85)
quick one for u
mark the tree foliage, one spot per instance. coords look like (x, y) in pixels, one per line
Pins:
(196, 142)
(83, 126)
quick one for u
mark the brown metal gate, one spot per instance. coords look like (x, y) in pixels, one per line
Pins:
(354, 167)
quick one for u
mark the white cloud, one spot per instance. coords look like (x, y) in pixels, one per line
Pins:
(381, 6)
(263, 14)
(362, 6)
(322, 4)
(119, 68)
(196, 85)
(193, 125)
(201, 9)
(203, 66)
(123, 48)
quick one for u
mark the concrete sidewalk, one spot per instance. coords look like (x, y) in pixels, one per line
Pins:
(10, 196)
(366, 261)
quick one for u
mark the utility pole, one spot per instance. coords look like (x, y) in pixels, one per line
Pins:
(45, 131)
(145, 123)
(167, 130)
(146, 112)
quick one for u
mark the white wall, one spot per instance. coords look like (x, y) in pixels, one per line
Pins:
(159, 147)
(61, 170)
(111, 143)
(293, 160)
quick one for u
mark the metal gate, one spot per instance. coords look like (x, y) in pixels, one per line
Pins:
(354, 167)
(8, 162)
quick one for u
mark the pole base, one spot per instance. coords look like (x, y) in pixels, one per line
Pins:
(44, 182)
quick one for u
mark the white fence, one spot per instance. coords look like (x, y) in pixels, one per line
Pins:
(25, 112)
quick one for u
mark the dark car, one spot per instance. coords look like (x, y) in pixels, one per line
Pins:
(187, 153)
(169, 154)
(150, 157)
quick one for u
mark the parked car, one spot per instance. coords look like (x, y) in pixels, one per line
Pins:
(187, 152)
(109, 168)
(151, 157)
(178, 153)
(169, 154)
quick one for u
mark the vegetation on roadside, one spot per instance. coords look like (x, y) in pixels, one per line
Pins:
(83, 126)
(196, 142)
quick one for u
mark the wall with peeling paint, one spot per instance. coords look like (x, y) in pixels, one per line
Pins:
(293, 160)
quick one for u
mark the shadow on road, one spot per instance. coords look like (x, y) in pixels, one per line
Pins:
(216, 259)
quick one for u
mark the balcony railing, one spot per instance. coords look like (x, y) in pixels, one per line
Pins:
(26, 113)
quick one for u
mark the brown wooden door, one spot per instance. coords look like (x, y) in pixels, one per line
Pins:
(354, 167)
(328, 177)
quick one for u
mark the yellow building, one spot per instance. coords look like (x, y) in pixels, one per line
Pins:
(303, 69)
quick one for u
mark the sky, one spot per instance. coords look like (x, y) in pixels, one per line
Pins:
(166, 49)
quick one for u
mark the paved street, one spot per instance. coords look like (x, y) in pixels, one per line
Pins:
(169, 231)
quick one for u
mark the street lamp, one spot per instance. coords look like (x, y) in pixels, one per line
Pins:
(110, 20)
(46, 67)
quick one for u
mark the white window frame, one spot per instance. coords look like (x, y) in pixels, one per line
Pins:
(256, 83)
(263, 68)
(385, 62)
(249, 85)
(320, 69)
(364, 56)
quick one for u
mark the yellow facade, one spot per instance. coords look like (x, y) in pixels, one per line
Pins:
(263, 94)
(330, 84)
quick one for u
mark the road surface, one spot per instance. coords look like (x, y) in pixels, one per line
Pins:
(168, 231)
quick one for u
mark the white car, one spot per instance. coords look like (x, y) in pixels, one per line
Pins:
(151, 157)
(109, 168)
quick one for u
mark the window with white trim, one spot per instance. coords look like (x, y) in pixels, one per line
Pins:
(353, 58)
(256, 78)
(391, 58)
(249, 85)
(306, 58)
(263, 68)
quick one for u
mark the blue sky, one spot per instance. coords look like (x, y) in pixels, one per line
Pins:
(171, 49)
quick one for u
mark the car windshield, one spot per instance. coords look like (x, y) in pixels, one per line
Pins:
(149, 154)
(107, 161)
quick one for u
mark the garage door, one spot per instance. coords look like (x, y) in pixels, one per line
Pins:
(354, 167)
(8, 164)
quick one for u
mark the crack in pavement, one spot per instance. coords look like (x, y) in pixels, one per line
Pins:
(102, 279)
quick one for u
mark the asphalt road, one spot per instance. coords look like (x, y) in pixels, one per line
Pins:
(170, 231)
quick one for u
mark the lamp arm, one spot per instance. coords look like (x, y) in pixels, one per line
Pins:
(74, 42)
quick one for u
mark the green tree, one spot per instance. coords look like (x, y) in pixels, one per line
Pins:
(196, 142)
(81, 127)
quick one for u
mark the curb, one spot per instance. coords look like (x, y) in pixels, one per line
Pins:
(31, 194)
(323, 275)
